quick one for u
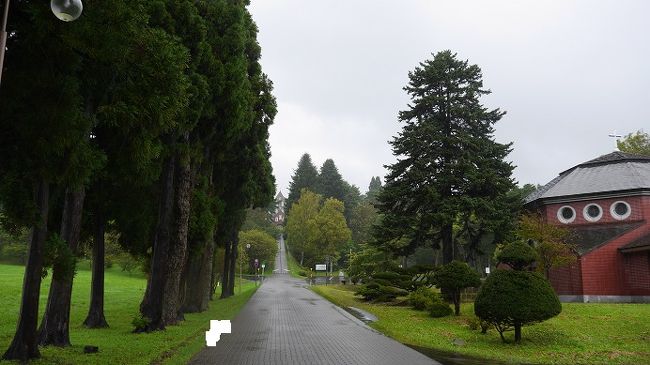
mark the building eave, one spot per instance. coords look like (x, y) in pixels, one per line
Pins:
(589, 196)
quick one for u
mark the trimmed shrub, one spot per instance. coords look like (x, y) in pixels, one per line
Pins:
(373, 291)
(454, 277)
(440, 309)
(510, 299)
(518, 255)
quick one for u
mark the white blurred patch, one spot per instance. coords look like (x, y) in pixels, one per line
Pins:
(217, 328)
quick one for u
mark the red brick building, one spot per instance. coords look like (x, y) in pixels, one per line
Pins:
(606, 204)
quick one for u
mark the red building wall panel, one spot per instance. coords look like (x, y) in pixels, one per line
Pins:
(567, 280)
(640, 210)
(606, 271)
(637, 272)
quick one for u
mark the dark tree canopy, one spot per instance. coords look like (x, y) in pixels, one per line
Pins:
(330, 184)
(449, 169)
(304, 177)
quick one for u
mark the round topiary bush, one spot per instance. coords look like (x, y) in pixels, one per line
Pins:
(510, 299)
(518, 255)
(440, 309)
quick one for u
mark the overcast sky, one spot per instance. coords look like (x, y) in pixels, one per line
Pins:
(568, 73)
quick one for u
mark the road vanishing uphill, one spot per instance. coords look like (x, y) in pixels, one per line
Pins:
(285, 323)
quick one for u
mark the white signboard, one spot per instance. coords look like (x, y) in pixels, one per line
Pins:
(321, 267)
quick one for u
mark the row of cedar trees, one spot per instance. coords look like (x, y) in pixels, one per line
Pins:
(149, 117)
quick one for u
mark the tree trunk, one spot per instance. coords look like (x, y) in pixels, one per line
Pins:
(24, 345)
(215, 274)
(233, 261)
(226, 291)
(152, 304)
(55, 327)
(302, 257)
(95, 318)
(517, 332)
(447, 244)
(456, 295)
(198, 280)
(178, 243)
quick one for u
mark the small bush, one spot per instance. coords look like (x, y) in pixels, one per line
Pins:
(355, 279)
(474, 323)
(374, 291)
(302, 273)
(440, 309)
(422, 298)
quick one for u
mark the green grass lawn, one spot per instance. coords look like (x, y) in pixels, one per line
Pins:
(117, 345)
(581, 334)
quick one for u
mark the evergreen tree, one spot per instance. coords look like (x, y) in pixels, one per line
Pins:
(304, 177)
(374, 188)
(449, 167)
(330, 183)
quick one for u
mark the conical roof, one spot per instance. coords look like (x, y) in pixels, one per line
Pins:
(613, 172)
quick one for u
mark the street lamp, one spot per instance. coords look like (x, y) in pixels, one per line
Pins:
(66, 10)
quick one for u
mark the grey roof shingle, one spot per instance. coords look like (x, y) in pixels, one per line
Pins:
(616, 171)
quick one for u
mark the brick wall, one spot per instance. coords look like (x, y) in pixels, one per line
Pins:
(567, 280)
(637, 272)
(606, 271)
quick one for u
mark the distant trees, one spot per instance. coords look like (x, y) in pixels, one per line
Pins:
(637, 143)
(304, 177)
(450, 172)
(263, 247)
(316, 230)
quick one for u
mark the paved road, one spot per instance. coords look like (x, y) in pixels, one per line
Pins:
(285, 323)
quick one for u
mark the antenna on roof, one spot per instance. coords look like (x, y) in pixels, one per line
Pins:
(617, 136)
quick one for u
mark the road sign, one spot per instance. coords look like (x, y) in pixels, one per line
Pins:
(257, 263)
(263, 266)
(321, 267)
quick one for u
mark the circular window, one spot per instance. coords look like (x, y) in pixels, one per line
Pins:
(592, 212)
(620, 210)
(566, 214)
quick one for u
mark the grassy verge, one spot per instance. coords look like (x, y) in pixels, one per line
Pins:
(293, 265)
(117, 345)
(581, 334)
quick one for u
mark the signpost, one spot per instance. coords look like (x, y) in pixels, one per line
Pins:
(322, 267)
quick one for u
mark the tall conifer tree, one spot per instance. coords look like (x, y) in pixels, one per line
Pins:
(449, 167)
(304, 177)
